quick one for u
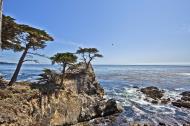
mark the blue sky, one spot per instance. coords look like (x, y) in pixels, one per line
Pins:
(141, 31)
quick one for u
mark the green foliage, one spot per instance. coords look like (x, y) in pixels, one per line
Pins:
(61, 58)
(23, 38)
(98, 55)
(35, 38)
(88, 54)
(87, 50)
(47, 76)
(10, 34)
(19, 36)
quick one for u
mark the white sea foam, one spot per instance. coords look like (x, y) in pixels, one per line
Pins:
(179, 89)
(172, 94)
(138, 111)
(185, 74)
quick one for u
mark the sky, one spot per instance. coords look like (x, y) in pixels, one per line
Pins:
(125, 31)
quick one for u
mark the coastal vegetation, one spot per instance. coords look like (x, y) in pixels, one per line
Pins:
(88, 54)
(47, 76)
(26, 39)
(80, 90)
(30, 39)
(22, 38)
(63, 59)
(78, 99)
(10, 34)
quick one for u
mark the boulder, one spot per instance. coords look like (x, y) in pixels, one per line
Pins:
(186, 93)
(112, 107)
(184, 101)
(185, 98)
(165, 100)
(181, 103)
(153, 92)
(154, 102)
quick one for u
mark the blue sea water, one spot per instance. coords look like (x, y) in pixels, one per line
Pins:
(119, 82)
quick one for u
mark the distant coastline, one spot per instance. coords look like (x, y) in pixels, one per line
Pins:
(7, 63)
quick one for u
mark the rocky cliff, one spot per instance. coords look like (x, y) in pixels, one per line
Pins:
(80, 99)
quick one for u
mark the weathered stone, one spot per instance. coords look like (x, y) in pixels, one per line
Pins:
(181, 103)
(161, 124)
(25, 104)
(112, 107)
(136, 87)
(186, 93)
(152, 92)
(165, 101)
(185, 98)
(184, 101)
(154, 102)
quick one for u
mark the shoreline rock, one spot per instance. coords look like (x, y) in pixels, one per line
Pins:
(154, 94)
(184, 101)
(157, 95)
(80, 100)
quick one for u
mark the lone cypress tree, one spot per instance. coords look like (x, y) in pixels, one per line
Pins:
(88, 54)
(63, 59)
(29, 38)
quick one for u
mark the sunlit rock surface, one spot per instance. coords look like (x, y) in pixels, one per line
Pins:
(80, 100)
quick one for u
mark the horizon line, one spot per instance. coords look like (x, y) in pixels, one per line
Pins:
(112, 64)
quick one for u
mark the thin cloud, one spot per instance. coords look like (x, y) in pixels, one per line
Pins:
(185, 28)
(74, 44)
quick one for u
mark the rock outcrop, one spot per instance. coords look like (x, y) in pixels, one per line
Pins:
(81, 99)
(184, 101)
(153, 92)
(155, 95)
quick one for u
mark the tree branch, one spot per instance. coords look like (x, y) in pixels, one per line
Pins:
(36, 61)
(37, 54)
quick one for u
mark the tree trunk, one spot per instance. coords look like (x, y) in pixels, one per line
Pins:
(63, 73)
(1, 15)
(88, 64)
(19, 65)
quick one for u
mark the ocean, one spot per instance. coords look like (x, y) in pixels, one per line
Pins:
(120, 82)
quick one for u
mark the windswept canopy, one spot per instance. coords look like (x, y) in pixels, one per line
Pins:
(25, 38)
(16, 36)
(35, 38)
(88, 54)
(63, 58)
(10, 34)
(87, 50)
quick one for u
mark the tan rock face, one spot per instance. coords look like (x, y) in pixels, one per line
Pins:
(43, 105)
